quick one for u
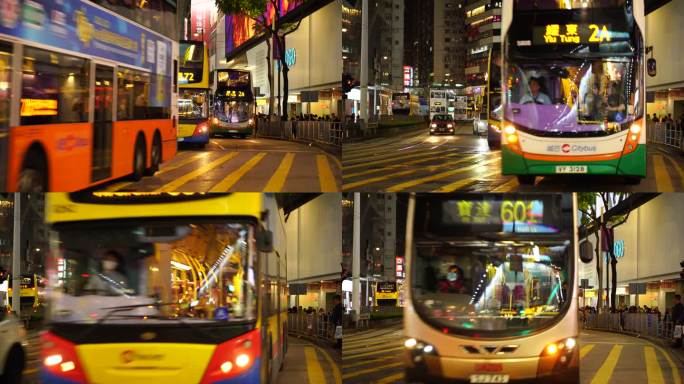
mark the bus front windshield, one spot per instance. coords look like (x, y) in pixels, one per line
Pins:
(493, 284)
(233, 111)
(574, 72)
(192, 104)
(156, 271)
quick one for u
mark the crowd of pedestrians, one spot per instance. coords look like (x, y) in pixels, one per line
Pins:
(326, 324)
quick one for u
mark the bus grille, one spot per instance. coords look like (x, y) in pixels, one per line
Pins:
(489, 349)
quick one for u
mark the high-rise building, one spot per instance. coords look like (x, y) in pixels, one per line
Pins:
(386, 43)
(483, 29)
(419, 40)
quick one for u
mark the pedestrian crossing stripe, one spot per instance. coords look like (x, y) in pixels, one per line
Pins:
(361, 372)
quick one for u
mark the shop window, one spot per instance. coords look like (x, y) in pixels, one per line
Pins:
(55, 88)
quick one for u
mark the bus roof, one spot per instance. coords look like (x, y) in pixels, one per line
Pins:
(71, 207)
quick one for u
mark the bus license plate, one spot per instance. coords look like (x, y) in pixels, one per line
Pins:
(487, 378)
(571, 169)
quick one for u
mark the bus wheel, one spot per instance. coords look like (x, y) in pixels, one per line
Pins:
(526, 179)
(139, 160)
(14, 367)
(155, 156)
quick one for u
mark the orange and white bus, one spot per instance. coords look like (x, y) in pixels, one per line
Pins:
(87, 92)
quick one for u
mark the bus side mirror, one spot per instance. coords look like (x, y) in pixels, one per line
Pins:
(264, 239)
(651, 66)
(586, 252)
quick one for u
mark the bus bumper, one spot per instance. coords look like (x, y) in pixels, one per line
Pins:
(48, 378)
(632, 164)
(201, 139)
(219, 130)
(444, 369)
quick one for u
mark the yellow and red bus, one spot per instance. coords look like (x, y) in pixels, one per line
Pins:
(173, 288)
(87, 92)
(193, 99)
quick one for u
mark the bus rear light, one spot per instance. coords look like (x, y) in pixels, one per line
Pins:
(201, 129)
(233, 358)
(60, 358)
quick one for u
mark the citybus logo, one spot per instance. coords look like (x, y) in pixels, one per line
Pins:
(568, 148)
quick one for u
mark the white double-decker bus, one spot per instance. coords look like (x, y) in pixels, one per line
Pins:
(491, 288)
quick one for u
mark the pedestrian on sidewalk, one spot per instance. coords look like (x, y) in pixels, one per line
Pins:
(677, 312)
(336, 319)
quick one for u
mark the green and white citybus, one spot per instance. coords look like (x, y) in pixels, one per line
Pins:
(574, 89)
(491, 288)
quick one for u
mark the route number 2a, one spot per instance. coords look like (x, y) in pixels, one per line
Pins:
(599, 34)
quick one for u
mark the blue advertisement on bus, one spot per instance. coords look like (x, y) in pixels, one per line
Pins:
(80, 26)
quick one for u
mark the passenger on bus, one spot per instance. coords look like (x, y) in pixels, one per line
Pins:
(616, 103)
(535, 95)
(593, 103)
(453, 282)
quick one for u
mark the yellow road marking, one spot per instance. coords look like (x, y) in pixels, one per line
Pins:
(335, 368)
(663, 182)
(235, 176)
(325, 175)
(439, 176)
(507, 186)
(386, 158)
(354, 356)
(365, 362)
(412, 162)
(181, 163)
(653, 371)
(462, 183)
(364, 344)
(118, 186)
(174, 185)
(277, 181)
(606, 371)
(380, 367)
(313, 367)
(585, 349)
(680, 171)
(673, 367)
(391, 379)
(337, 161)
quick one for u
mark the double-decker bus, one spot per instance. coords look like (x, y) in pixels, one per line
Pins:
(193, 89)
(386, 294)
(438, 102)
(234, 104)
(173, 288)
(574, 88)
(491, 292)
(86, 92)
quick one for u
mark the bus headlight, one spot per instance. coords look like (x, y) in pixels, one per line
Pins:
(419, 349)
(510, 130)
(251, 121)
(215, 121)
(410, 343)
(635, 128)
(560, 347)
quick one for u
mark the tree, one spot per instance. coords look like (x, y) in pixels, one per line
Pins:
(277, 30)
(601, 218)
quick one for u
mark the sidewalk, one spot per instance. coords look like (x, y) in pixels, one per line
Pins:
(308, 363)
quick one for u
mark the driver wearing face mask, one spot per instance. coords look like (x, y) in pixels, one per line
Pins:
(110, 280)
(453, 282)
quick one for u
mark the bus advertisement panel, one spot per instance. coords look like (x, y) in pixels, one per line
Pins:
(150, 288)
(574, 86)
(76, 59)
(491, 288)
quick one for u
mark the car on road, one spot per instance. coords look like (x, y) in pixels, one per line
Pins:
(442, 124)
(12, 354)
(480, 125)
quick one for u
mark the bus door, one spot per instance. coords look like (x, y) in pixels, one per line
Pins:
(102, 124)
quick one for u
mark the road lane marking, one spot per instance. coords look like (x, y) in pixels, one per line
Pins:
(391, 379)
(386, 157)
(181, 163)
(174, 185)
(412, 162)
(384, 148)
(235, 176)
(507, 186)
(365, 362)
(277, 181)
(355, 356)
(663, 182)
(653, 370)
(679, 171)
(439, 176)
(118, 186)
(462, 183)
(604, 373)
(325, 175)
(313, 366)
(335, 367)
(585, 349)
(369, 343)
(673, 367)
(380, 367)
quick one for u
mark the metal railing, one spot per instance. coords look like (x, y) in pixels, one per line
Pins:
(643, 324)
(314, 325)
(670, 134)
(322, 132)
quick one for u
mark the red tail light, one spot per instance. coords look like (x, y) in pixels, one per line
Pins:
(233, 357)
(59, 358)
(201, 129)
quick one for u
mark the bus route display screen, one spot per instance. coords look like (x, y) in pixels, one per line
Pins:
(573, 33)
(386, 287)
(510, 216)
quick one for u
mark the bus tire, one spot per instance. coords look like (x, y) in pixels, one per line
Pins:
(14, 366)
(526, 179)
(33, 174)
(139, 160)
(155, 155)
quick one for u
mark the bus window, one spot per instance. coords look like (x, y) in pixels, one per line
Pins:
(5, 81)
(55, 88)
(133, 94)
(192, 104)
(110, 266)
